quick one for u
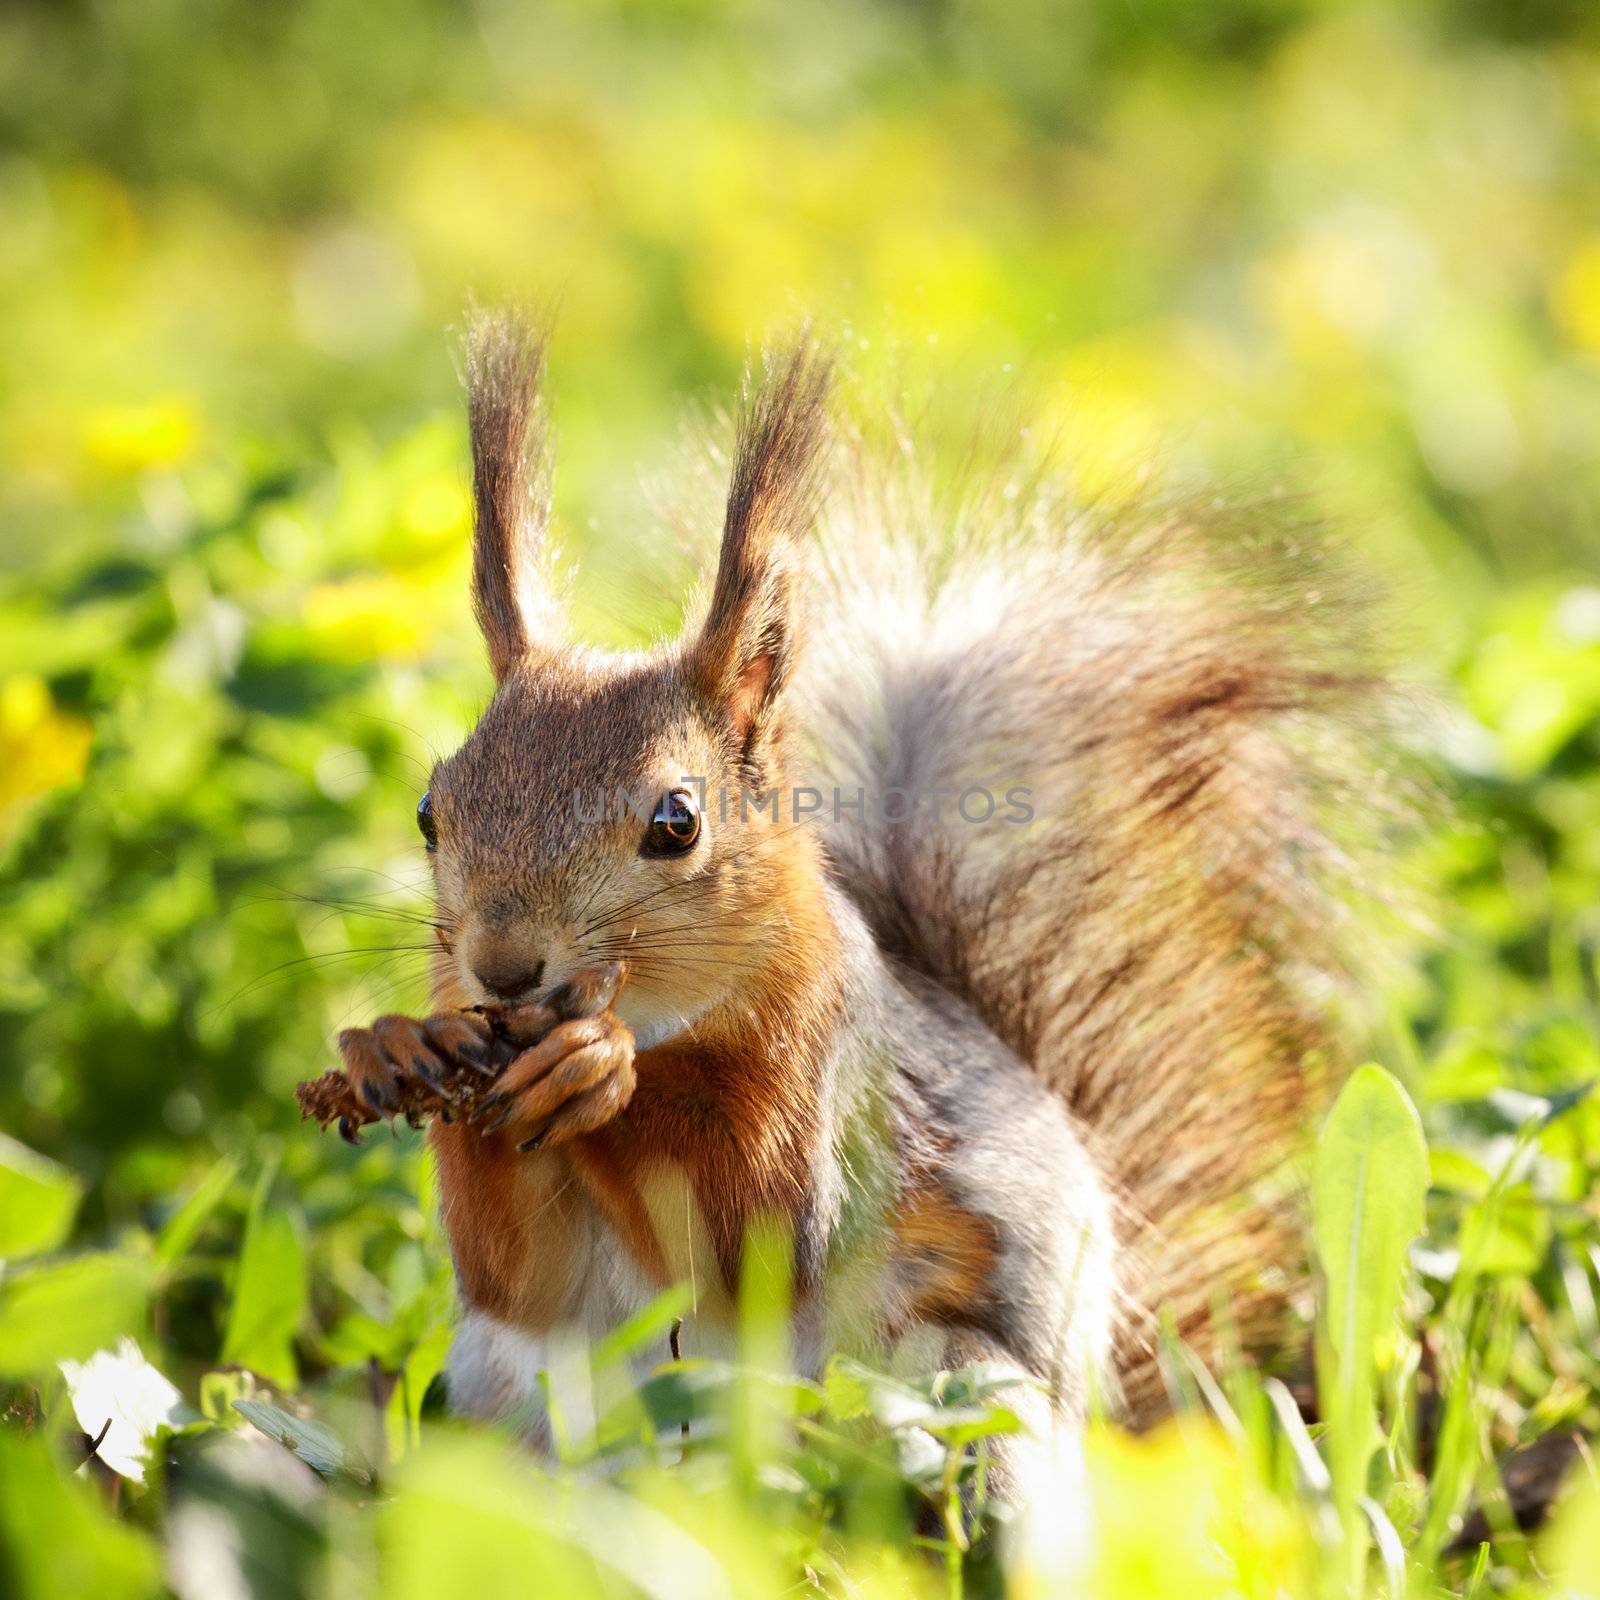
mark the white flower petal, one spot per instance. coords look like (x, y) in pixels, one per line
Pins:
(118, 1391)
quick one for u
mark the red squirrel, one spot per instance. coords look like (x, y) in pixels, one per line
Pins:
(976, 898)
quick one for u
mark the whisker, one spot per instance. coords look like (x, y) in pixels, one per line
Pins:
(692, 886)
(391, 722)
(375, 989)
(600, 882)
(714, 920)
(344, 907)
(323, 959)
(621, 947)
(416, 886)
(378, 1000)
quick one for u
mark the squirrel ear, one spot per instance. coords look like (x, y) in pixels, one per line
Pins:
(745, 653)
(511, 589)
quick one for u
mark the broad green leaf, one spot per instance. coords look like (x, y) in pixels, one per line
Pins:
(318, 1446)
(1456, 1173)
(469, 1512)
(269, 1291)
(960, 1425)
(359, 1337)
(464, 1518)
(846, 1390)
(58, 1540)
(38, 1200)
(1507, 1234)
(70, 1309)
(695, 1390)
(1368, 1188)
(219, 1391)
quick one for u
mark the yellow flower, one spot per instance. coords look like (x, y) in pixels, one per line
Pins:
(40, 747)
(436, 510)
(1570, 1548)
(365, 618)
(157, 433)
(1103, 420)
(1575, 296)
(1179, 1512)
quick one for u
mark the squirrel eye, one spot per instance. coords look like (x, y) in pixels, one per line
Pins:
(430, 834)
(675, 826)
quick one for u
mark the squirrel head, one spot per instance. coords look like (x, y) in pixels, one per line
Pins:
(627, 807)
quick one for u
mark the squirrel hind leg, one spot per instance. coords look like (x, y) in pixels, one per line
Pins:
(494, 1375)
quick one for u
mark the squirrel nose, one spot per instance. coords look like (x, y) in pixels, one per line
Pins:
(508, 980)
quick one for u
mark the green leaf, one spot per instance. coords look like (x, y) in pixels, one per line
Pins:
(318, 1446)
(650, 1327)
(269, 1291)
(57, 1539)
(1507, 1234)
(403, 1417)
(960, 1425)
(184, 1226)
(1368, 1189)
(1456, 1173)
(219, 1391)
(70, 1309)
(1570, 1548)
(359, 1337)
(471, 1518)
(38, 1201)
(846, 1390)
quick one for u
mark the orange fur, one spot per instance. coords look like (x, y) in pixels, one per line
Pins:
(731, 1105)
(945, 1256)
(510, 1222)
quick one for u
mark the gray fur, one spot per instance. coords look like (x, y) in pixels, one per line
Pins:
(1085, 1040)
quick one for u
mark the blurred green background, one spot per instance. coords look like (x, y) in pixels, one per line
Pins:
(1352, 249)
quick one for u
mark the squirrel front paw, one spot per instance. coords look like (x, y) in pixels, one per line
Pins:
(576, 1079)
(401, 1061)
(559, 1066)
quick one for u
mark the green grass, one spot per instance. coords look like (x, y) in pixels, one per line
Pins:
(1345, 246)
(311, 1457)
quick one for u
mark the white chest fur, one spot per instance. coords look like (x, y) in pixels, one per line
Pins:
(543, 1380)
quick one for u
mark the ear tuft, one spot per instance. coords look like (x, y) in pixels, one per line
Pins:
(511, 593)
(745, 654)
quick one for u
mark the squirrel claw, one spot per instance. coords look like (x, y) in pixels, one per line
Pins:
(378, 1095)
(485, 1106)
(449, 1066)
(500, 1121)
(587, 993)
(576, 1079)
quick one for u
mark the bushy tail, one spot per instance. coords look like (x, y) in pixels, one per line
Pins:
(1184, 697)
